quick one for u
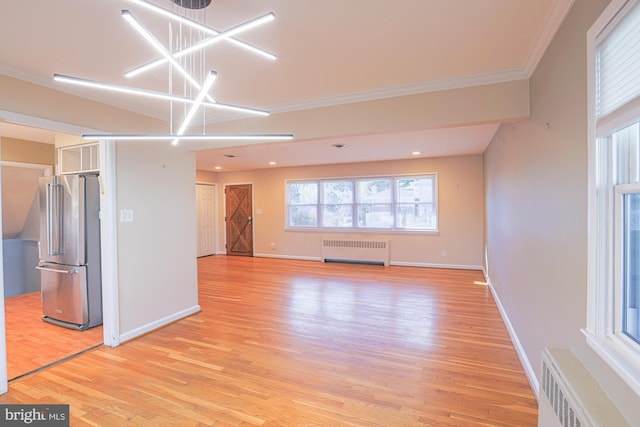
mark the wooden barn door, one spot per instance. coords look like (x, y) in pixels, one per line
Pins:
(239, 219)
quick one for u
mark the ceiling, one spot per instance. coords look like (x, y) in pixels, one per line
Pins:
(329, 53)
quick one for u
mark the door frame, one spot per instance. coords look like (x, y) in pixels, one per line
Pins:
(48, 170)
(253, 213)
(108, 229)
(215, 213)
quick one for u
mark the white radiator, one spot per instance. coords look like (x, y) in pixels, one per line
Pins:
(570, 397)
(355, 250)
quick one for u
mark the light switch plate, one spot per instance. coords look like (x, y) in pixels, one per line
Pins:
(126, 216)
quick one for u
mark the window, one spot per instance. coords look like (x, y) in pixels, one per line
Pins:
(302, 204)
(372, 203)
(337, 204)
(415, 208)
(375, 203)
(78, 159)
(613, 322)
(630, 257)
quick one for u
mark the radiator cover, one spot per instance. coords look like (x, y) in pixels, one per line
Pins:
(355, 250)
(570, 397)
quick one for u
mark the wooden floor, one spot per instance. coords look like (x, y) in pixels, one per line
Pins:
(302, 343)
(32, 343)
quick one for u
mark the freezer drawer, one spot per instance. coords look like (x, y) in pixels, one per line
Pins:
(64, 294)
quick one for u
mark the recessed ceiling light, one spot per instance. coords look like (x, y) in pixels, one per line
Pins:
(339, 145)
(415, 153)
(272, 163)
(218, 168)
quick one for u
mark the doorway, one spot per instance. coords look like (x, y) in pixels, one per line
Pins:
(110, 331)
(239, 219)
(206, 221)
(30, 343)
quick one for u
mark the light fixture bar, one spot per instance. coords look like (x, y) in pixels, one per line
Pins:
(160, 48)
(208, 82)
(168, 13)
(153, 94)
(252, 48)
(165, 137)
(122, 89)
(194, 107)
(204, 43)
(237, 108)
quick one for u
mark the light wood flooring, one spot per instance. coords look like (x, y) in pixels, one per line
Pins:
(302, 343)
(32, 343)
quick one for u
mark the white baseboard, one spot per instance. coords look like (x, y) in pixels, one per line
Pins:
(522, 355)
(430, 265)
(401, 264)
(159, 323)
(302, 258)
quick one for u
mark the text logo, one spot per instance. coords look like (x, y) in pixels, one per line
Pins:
(34, 415)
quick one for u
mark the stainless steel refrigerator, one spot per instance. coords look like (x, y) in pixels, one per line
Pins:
(69, 250)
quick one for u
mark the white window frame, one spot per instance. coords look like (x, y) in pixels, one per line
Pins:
(322, 203)
(356, 203)
(619, 251)
(604, 297)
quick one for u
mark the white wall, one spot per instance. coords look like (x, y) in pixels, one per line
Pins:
(536, 209)
(157, 270)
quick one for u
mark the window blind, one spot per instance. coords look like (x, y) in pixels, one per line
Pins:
(618, 65)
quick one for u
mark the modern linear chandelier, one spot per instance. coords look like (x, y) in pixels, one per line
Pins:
(188, 40)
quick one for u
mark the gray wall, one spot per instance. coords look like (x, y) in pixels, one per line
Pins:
(536, 209)
(20, 229)
(20, 258)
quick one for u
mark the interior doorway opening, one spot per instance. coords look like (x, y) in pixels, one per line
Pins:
(109, 333)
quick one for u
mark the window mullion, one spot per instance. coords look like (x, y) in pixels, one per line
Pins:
(607, 171)
(320, 206)
(356, 202)
(394, 202)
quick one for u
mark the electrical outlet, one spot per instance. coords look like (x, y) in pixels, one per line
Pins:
(444, 252)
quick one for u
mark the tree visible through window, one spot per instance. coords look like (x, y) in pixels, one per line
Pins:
(337, 204)
(302, 201)
(375, 203)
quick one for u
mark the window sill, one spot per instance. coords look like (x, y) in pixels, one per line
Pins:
(362, 231)
(618, 355)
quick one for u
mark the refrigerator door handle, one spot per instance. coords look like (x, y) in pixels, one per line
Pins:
(54, 219)
(54, 270)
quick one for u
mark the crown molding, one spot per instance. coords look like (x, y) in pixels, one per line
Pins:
(363, 96)
(559, 11)
(405, 90)
(384, 93)
(48, 82)
(40, 123)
